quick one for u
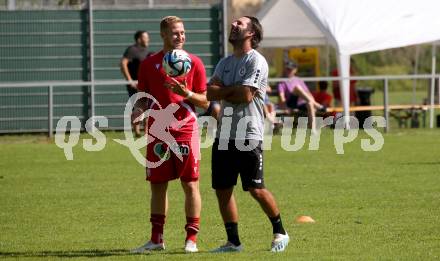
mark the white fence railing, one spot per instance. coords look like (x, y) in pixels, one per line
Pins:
(91, 104)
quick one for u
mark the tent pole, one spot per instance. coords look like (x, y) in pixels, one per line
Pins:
(431, 109)
(344, 85)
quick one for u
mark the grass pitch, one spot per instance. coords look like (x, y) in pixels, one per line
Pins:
(381, 205)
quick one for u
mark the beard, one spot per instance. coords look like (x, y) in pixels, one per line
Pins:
(233, 41)
(236, 37)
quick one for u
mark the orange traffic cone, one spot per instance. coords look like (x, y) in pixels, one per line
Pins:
(304, 219)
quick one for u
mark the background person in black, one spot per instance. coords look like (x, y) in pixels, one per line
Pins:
(131, 59)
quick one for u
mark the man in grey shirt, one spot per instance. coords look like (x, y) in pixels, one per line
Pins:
(239, 82)
(130, 62)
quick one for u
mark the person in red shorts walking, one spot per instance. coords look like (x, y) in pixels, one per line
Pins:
(173, 141)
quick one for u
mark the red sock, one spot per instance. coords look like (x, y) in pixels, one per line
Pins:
(192, 228)
(157, 223)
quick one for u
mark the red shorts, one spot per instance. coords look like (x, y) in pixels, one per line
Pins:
(164, 165)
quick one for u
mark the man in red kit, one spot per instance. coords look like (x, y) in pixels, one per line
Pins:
(174, 146)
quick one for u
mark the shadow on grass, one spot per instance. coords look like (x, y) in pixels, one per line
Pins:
(68, 254)
(87, 253)
(421, 163)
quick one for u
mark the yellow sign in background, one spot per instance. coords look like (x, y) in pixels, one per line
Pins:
(307, 59)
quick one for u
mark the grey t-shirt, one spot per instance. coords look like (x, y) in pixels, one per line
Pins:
(246, 120)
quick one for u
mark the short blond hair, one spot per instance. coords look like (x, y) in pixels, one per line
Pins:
(167, 21)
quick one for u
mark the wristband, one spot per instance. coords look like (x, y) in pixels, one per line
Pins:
(189, 95)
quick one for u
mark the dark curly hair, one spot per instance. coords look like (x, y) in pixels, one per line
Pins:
(258, 31)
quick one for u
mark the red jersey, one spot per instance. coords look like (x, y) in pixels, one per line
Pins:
(323, 98)
(151, 79)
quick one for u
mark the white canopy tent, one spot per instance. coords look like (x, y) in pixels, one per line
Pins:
(351, 26)
(285, 24)
(359, 26)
